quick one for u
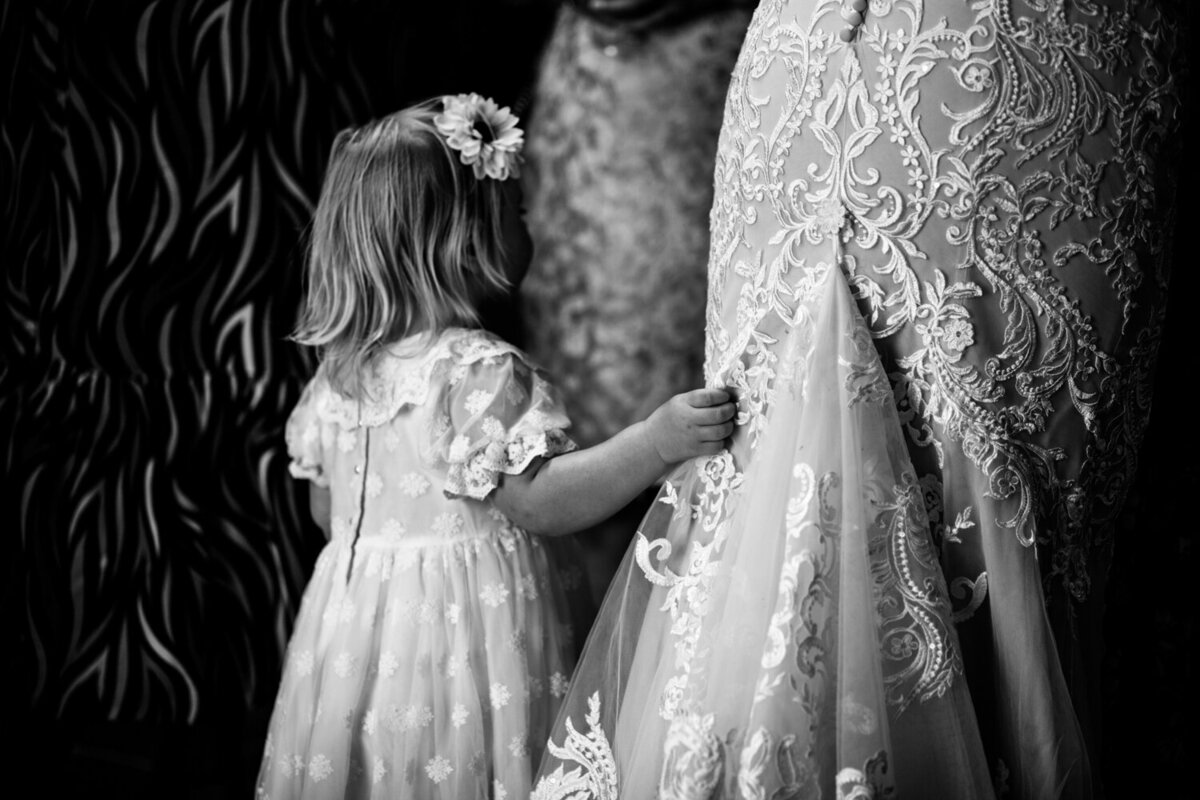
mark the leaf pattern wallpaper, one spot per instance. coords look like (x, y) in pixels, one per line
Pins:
(159, 161)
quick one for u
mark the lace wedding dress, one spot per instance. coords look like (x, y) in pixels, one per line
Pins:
(936, 282)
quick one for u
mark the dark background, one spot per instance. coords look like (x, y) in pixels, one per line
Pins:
(159, 162)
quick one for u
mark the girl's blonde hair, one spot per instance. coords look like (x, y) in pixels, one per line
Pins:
(405, 240)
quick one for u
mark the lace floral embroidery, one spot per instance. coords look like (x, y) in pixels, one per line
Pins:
(400, 379)
(595, 777)
(688, 593)
(476, 475)
(921, 657)
(1078, 100)
(693, 762)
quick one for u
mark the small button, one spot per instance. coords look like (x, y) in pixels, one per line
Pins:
(358, 469)
(853, 17)
(846, 34)
(859, 5)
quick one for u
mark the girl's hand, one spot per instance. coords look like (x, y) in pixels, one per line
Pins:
(691, 424)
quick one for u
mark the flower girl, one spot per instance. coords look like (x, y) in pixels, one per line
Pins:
(430, 654)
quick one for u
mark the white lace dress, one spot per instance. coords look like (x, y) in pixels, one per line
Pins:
(936, 281)
(431, 650)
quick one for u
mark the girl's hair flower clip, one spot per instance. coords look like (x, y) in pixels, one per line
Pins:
(486, 136)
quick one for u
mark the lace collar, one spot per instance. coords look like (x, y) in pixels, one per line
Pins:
(403, 374)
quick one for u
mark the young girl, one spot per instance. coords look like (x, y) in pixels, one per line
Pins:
(430, 653)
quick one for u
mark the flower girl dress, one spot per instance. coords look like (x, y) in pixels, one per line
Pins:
(431, 649)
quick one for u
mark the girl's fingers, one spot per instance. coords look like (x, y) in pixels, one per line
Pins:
(715, 415)
(716, 433)
(703, 398)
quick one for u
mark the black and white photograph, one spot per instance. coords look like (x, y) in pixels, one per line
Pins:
(599, 399)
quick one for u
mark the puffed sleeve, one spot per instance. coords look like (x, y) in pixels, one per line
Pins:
(304, 440)
(502, 414)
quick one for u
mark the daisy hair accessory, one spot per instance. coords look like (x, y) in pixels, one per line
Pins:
(486, 136)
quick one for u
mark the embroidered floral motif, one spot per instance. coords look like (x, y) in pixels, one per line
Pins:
(494, 594)
(688, 594)
(476, 474)
(478, 402)
(596, 776)
(865, 380)
(319, 768)
(403, 376)
(438, 768)
(518, 747)
(303, 663)
(492, 428)
(973, 591)
(414, 484)
(415, 717)
(778, 634)
(923, 657)
(858, 717)
(392, 529)
(693, 762)
(345, 665)
(1031, 167)
(448, 524)
(290, 766)
(500, 695)
(527, 587)
(869, 783)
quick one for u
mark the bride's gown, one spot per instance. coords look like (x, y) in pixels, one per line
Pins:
(972, 191)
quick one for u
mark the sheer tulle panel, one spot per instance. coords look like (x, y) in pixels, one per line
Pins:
(785, 609)
(413, 669)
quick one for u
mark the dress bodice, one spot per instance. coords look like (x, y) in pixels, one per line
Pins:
(439, 421)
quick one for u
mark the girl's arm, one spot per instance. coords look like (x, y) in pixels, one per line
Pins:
(320, 505)
(577, 490)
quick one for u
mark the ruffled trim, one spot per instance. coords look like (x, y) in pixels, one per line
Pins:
(479, 473)
(309, 472)
(400, 381)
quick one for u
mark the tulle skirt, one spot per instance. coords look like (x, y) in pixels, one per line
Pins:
(780, 626)
(428, 668)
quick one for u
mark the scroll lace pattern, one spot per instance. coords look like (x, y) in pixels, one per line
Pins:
(914, 617)
(1029, 91)
(595, 777)
(1077, 101)
(799, 628)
